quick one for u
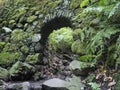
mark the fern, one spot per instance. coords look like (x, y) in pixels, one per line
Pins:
(75, 84)
(94, 86)
(84, 3)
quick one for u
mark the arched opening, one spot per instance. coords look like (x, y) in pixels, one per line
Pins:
(54, 24)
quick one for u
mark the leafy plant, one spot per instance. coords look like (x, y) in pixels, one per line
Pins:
(94, 86)
(75, 84)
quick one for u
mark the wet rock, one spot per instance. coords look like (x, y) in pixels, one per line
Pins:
(18, 86)
(74, 65)
(80, 68)
(54, 84)
(7, 30)
(36, 37)
(3, 74)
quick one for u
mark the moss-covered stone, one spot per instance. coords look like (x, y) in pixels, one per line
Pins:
(78, 47)
(20, 68)
(24, 49)
(75, 3)
(61, 38)
(76, 33)
(2, 45)
(32, 59)
(3, 74)
(7, 58)
(12, 22)
(8, 47)
(19, 35)
(19, 12)
(31, 18)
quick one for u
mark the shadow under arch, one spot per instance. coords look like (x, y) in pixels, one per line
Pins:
(54, 24)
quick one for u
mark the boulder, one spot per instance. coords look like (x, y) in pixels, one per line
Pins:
(22, 71)
(54, 84)
(18, 86)
(3, 74)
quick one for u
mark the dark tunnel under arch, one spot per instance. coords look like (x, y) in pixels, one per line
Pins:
(54, 24)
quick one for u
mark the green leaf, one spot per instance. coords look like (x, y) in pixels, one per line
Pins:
(94, 86)
(84, 3)
(86, 57)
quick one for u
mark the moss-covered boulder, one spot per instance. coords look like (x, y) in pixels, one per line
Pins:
(7, 58)
(61, 38)
(31, 18)
(21, 70)
(78, 47)
(19, 35)
(4, 74)
(32, 59)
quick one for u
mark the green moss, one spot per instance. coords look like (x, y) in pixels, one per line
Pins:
(20, 68)
(2, 45)
(61, 39)
(32, 59)
(54, 4)
(19, 35)
(76, 33)
(10, 47)
(19, 12)
(11, 21)
(8, 58)
(3, 74)
(31, 18)
(78, 47)
(4, 23)
(75, 3)
(24, 49)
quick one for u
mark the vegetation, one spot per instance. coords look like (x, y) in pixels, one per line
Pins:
(93, 38)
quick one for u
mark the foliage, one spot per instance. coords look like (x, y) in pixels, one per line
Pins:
(32, 59)
(97, 33)
(94, 86)
(117, 79)
(7, 58)
(20, 68)
(75, 84)
(84, 3)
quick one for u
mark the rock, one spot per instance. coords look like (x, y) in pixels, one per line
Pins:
(61, 38)
(32, 59)
(18, 86)
(36, 37)
(31, 18)
(54, 84)
(7, 30)
(3, 74)
(74, 65)
(80, 68)
(38, 47)
(22, 71)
